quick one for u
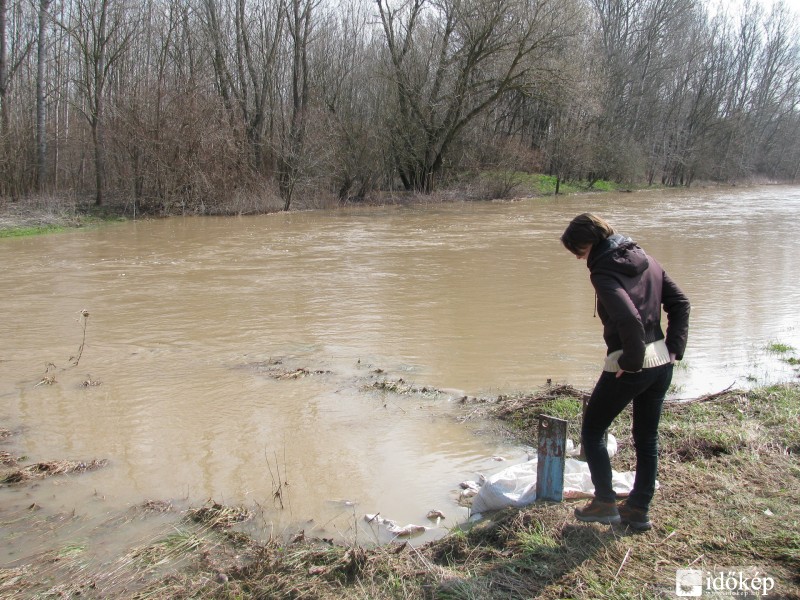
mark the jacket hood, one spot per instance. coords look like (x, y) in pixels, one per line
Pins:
(619, 254)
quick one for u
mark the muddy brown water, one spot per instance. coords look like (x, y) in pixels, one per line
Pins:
(191, 319)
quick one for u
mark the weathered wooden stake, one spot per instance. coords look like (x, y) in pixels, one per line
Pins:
(551, 456)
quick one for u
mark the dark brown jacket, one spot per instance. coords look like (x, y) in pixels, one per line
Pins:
(631, 288)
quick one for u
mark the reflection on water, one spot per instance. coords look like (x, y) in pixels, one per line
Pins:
(475, 297)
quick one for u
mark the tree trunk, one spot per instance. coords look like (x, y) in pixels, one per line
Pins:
(41, 124)
(99, 161)
(3, 70)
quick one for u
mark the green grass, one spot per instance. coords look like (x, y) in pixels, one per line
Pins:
(537, 542)
(51, 215)
(604, 186)
(15, 232)
(544, 185)
(779, 348)
(71, 550)
(68, 224)
(563, 407)
(521, 412)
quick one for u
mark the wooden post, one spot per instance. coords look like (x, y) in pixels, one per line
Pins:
(551, 456)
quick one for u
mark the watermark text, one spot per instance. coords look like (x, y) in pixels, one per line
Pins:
(736, 582)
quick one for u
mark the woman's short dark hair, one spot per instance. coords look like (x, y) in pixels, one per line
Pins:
(583, 231)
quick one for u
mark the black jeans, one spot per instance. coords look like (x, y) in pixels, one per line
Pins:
(611, 395)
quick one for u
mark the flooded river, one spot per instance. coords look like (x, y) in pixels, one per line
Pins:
(233, 358)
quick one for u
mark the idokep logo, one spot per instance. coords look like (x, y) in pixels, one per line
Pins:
(733, 583)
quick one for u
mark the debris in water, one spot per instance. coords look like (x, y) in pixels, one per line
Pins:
(219, 516)
(46, 469)
(394, 528)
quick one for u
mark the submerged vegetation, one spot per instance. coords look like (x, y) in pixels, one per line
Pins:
(779, 348)
(47, 469)
(729, 497)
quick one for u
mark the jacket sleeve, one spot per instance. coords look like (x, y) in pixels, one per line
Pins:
(676, 305)
(624, 320)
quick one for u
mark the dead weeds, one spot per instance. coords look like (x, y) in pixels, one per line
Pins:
(41, 470)
(284, 369)
(400, 386)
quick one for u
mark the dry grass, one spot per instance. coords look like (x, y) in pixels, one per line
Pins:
(40, 211)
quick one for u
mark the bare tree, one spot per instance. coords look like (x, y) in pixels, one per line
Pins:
(10, 61)
(101, 30)
(343, 68)
(245, 42)
(41, 123)
(15, 45)
(292, 155)
(449, 60)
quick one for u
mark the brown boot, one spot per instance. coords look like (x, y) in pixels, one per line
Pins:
(635, 518)
(598, 511)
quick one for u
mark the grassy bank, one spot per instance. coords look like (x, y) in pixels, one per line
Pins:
(505, 184)
(729, 498)
(48, 214)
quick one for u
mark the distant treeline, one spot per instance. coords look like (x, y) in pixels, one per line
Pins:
(224, 105)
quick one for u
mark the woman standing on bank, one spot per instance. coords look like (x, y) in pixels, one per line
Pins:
(631, 289)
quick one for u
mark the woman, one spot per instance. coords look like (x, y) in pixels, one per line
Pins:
(631, 289)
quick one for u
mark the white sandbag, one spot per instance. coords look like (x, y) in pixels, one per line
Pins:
(611, 446)
(516, 485)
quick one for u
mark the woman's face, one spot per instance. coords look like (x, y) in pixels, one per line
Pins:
(583, 253)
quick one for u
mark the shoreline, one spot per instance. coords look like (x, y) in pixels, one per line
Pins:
(50, 214)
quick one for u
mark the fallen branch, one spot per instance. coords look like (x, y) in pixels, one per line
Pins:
(725, 394)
